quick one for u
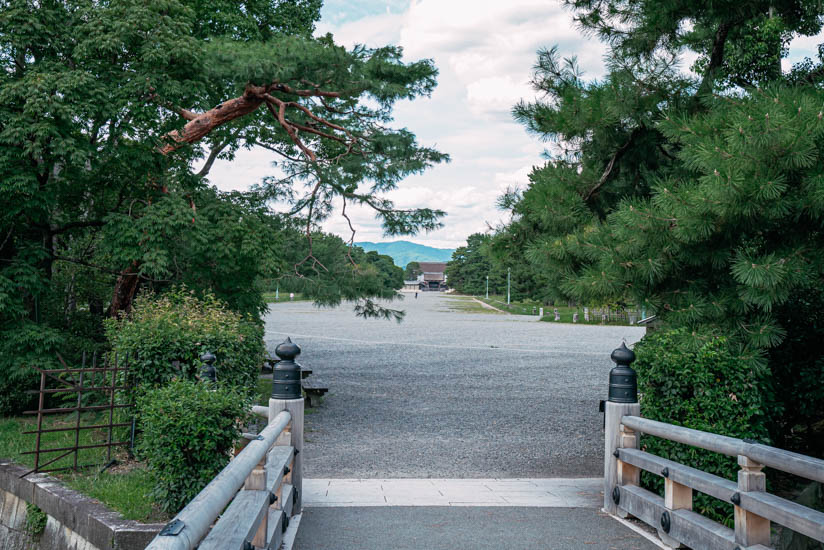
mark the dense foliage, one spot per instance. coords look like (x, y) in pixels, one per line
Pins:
(189, 430)
(164, 337)
(411, 271)
(112, 115)
(696, 196)
(709, 389)
(470, 266)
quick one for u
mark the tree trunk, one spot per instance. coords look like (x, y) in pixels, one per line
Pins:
(124, 291)
(199, 126)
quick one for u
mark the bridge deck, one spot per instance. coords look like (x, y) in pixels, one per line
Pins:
(477, 514)
(469, 527)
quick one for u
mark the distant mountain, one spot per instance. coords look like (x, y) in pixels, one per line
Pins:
(403, 252)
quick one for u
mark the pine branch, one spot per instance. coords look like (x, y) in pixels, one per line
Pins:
(611, 164)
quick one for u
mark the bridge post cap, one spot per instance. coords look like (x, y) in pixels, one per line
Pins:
(288, 350)
(208, 358)
(623, 356)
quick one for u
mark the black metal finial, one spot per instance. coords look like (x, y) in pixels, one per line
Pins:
(623, 355)
(623, 382)
(288, 350)
(286, 374)
(209, 371)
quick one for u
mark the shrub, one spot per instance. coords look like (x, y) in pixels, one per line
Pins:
(709, 388)
(179, 327)
(795, 406)
(189, 430)
(22, 347)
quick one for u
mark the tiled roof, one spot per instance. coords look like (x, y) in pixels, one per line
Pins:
(433, 267)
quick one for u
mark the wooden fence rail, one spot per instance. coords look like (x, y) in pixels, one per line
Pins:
(672, 515)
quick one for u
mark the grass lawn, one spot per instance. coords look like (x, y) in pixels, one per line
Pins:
(527, 307)
(466, 304)
(124, 487)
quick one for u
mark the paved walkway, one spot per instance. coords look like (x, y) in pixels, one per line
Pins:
(455, 514)
(464, 528)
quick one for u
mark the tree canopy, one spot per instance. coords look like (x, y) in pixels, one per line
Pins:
(696, 196)
(112, 115)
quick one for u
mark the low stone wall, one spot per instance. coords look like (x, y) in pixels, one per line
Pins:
(74, 521)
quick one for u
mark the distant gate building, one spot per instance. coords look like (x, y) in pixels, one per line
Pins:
(432, 277)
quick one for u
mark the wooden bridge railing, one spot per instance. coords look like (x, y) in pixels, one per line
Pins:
(672, 515)
(262, 485)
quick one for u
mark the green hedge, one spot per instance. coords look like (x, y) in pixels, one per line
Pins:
(179, 326)
(709, 388)
(189, 430)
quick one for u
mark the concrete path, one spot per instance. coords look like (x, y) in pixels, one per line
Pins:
(538, 493)
(464, 528)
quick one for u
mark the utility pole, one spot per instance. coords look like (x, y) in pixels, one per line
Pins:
(508, 274)
(487, 287)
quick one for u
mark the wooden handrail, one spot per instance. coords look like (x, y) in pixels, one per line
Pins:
(790, 514)
(779, 459)
(192, 523)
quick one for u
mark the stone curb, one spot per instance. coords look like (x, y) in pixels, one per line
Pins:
(99, 525)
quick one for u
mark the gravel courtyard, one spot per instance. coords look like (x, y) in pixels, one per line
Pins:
(449, 394)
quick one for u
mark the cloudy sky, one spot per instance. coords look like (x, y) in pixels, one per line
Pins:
(484, 51)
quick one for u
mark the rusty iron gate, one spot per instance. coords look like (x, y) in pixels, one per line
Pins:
(101, 384)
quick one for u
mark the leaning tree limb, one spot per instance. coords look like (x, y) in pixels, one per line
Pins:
(200, 125)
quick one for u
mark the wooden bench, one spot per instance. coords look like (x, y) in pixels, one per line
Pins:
(314, 390)
(269, 366)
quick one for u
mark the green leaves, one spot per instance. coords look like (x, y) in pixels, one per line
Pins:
(188, 431)
(165, 336)
(703, 382)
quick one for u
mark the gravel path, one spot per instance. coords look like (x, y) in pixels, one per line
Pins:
(448, 394)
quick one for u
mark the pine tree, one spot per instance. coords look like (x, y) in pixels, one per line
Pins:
(698, 198)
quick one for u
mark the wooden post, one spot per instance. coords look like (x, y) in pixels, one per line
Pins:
(676, 497)
(257, 482)
(627, 473)
(612, 441)
(293, 436)
(751, 529)
(623, 401)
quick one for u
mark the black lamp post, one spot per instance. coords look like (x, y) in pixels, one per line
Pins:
(623, 383)
(286, 374)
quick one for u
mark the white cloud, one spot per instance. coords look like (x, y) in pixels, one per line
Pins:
(485, 52)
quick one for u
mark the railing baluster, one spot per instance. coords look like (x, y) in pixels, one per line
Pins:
(750, 529)
(257, 482)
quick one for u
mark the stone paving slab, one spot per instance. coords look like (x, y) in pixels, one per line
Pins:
(464, 528)
(539, 493)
